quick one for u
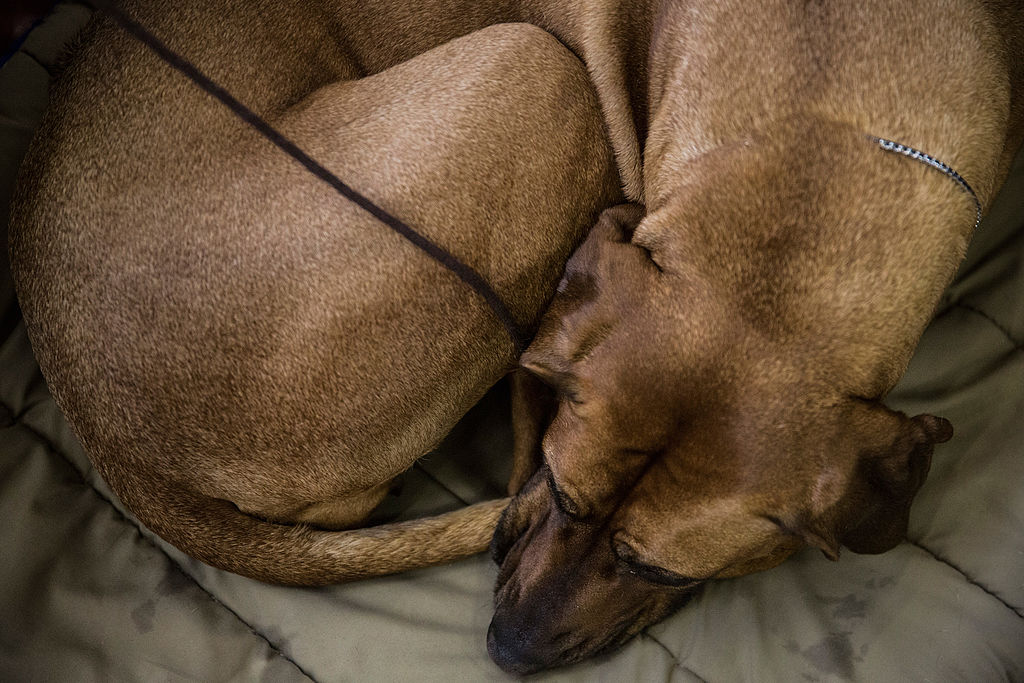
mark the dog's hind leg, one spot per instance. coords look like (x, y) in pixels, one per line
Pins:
(278, 355)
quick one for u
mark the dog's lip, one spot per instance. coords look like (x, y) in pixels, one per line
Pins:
(508, 561)
(499, 551)
(523, 664)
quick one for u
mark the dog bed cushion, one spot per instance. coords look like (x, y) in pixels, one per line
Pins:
(87, 593)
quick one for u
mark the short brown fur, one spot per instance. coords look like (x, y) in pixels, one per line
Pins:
(719, 355)
(240, 350)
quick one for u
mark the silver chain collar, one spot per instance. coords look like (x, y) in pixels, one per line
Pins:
(918, 155)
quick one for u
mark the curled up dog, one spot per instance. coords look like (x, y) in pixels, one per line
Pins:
(241, 351)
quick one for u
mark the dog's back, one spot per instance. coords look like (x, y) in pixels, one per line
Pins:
(220, 325)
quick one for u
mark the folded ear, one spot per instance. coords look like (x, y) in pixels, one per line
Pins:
(585, 302)
(533, 406)
(873, 508)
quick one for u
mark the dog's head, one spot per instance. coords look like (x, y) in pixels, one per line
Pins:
(680, 451)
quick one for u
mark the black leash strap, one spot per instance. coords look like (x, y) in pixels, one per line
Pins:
(466, 273)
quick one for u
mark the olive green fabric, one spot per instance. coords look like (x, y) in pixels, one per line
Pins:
(88, 594)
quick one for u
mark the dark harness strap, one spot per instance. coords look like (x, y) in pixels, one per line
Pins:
(466, 273)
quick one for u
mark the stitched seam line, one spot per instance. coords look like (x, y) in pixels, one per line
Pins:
(440, 483)
(20, 40)
(49, 71)
(50, 446)
(966, 576)
(675, 660)
(1017, 345)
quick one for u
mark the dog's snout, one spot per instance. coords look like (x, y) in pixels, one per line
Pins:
(505, 653)
(519, 649)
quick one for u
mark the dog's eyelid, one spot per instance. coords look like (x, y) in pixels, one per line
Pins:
(658, 575)
(562, 501)
(629, 558)
(653, 260)
(570, 395)
(649, 249)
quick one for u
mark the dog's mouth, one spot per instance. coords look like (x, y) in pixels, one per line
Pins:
(564, 650)
(522, 653)
(560, 595)
(523, 663)
(506, 534)
(513, 529)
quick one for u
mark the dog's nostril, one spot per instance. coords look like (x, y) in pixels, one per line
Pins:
(512, 652)
(502, 653)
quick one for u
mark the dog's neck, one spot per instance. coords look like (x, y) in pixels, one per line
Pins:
(814, 63)
(826, 246)
(831, 251)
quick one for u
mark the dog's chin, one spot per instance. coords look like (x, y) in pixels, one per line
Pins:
(514, 657)
(546, 565)
(516, 651)
(511, 660)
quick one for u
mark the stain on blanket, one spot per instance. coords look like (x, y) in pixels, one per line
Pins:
(274, 638)
(833, 654)
(142, 616)
(174, 581)
(849, 607)
(884, 582)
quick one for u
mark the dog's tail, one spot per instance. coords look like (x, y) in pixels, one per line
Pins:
(218, 533)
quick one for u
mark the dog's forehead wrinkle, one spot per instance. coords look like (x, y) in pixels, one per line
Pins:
(594, 334)
(649, 234)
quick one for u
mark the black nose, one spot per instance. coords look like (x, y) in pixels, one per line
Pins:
(512, 650)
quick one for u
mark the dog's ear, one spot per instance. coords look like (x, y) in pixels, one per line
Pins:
(586, 303)
(533, 407)
(872, 508)
(878, 501)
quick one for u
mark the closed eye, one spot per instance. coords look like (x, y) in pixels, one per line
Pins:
(648, 572)
(660, 576)
(570, 395)
(563, 502)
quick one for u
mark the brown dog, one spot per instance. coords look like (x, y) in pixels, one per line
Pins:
(720, 361)
(239, 349)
